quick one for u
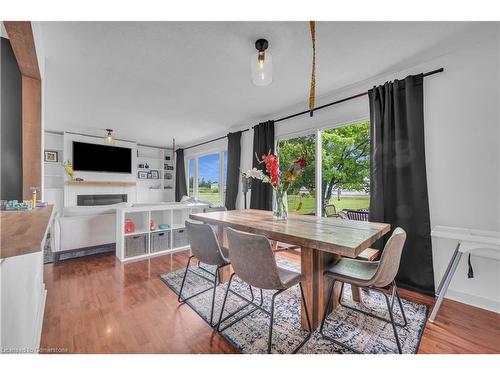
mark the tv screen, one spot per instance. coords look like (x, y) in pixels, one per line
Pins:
(100, 158)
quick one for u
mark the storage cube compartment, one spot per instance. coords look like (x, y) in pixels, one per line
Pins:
(162, 217)
(160, 241)
(180, 237)
(179, 218)
(136, 244)
(140, 219)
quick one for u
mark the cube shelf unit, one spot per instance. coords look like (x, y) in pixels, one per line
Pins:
(144, 242)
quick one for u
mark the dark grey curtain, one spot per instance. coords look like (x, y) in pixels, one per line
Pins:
(263, 142)
(180, 175)
(233, 169)
(398, 181)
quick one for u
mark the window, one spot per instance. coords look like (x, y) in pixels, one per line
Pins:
(302, 192)
(346, 168)
(207, 177)
(191, 174)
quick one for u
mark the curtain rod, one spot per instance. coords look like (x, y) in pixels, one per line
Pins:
(307, 111)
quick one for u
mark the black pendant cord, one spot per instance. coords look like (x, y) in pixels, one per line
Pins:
(432, 72)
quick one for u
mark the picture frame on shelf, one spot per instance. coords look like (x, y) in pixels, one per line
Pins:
(51, 156)
(155, 175)
(142, 175)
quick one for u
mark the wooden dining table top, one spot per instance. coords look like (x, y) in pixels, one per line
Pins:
(344, 237)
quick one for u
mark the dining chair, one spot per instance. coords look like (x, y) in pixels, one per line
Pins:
(254, 263)
(205, 247)
(371, 276)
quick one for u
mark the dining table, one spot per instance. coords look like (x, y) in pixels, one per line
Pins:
(322, 241)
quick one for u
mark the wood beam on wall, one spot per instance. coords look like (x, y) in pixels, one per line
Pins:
(21, 39)
(32, 135)
(22, 42)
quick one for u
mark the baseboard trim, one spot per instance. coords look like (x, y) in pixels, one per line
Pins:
(476, 301)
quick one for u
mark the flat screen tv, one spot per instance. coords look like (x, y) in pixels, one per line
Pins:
(100, 158)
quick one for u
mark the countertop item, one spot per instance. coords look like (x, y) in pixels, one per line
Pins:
(24, 232)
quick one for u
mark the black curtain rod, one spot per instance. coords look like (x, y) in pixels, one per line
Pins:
(315, 109)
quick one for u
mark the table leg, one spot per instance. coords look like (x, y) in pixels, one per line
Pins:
(224, 272)
(313, 265)
(356, 295)
(445, 283)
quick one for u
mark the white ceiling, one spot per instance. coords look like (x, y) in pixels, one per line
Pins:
(152, 81)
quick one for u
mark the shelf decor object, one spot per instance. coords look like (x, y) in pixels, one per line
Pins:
(51, 156)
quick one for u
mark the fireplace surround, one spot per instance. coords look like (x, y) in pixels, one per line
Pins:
(100, 199)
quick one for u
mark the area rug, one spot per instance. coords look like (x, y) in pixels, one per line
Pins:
(364, 333)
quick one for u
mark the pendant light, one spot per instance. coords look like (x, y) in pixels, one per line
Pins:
(262, 64)
(108, 138)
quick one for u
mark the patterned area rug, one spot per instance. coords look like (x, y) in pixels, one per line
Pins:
(366, 334)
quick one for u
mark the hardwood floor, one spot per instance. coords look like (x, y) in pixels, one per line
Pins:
(98, 305)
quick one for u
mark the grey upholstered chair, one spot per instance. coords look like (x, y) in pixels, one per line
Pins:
(214, 227)
(205, 247)
(371, 275)
(253, 262)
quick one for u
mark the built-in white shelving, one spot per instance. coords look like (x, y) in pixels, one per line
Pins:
(145, 242)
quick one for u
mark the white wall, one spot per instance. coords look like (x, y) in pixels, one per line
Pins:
(461, 113)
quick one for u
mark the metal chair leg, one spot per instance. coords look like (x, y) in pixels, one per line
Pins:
(179, 298)
(213, 295)
(325, 314)
(395, 295)
(327, 305)
(400, 304)
(224, 301)
(393, 324)
(307, 317)
(270, 339)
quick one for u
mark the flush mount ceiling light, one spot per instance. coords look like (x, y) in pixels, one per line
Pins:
(262, 64)
(109, 136)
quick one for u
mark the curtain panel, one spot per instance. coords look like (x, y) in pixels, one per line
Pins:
(398, 181)
(180, 175)
(263, 142)
(233, 169)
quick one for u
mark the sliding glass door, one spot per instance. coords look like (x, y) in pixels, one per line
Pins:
(342, 165)
(302, 192)
(345, 169)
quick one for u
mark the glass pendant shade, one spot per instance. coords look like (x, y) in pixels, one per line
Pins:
(108, 138)
(262, 68)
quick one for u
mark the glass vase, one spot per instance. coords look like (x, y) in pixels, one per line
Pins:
(280, 205)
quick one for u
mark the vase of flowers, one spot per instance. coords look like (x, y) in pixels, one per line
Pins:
(279, 181)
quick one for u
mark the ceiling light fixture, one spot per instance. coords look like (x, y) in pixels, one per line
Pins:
(109, 136)
(262, 64)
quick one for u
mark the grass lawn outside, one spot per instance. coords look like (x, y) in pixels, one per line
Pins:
(308, 203)
(209, 196)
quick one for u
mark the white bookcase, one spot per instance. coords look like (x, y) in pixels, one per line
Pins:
(144, 242)
(160, 189)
